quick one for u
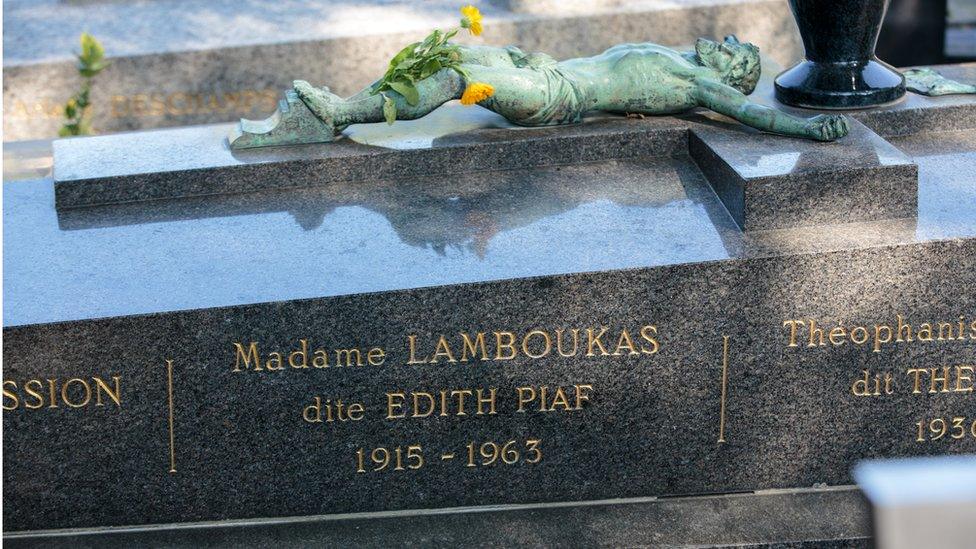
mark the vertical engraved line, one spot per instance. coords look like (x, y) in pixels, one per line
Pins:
(725, 382)
(172, 438)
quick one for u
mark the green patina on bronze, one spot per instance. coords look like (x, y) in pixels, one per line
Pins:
(930, 82)
(536, 90)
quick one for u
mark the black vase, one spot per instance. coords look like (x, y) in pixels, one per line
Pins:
(840, 70)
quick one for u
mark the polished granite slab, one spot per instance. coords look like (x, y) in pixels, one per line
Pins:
(770, 182)
(916, 113)
(715, 399)
(169, 255)
(198, 161)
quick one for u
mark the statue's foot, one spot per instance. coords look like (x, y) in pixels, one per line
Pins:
(292, 124)
(322, 102)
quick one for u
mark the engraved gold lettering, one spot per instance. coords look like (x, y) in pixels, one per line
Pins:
(9, 395)
(508, 345)
(525, 396)
(274, 362)
(904, 331)
(348, 353)
(394, 403)
(64, 392)
(935, 379)
(472, 347)
(431, 404)
(793, 325)
(646, 332)
(917, 385)
(878, 339)
(320, 359)
(483, 400)
(816, 335)
(859, 339)
(559, 343)
(963, 377)
(302, 352)
(625, 343)
(247, 357)
(546, 344)
(442, 350)
(35, 394)
(594, 341)
(100, 386)
(376, 356)
(837, 335)
(412, 343)
(51, 384)
(313, 412)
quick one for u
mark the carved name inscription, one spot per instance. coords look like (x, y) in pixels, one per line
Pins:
(449, 350)
(76, 392)
(917, 380)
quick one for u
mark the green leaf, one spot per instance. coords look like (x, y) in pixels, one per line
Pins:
(404, 53)
(432, 38)
(407, 90)
(430, 67)
(70, 110)
(389, 110)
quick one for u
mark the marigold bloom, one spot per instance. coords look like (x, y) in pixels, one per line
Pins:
(471, 19)
(476, 92)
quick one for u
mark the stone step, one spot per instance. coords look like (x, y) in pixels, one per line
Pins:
(770, 182)
(815, 518)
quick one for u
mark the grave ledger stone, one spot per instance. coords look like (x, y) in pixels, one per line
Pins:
(497, 316)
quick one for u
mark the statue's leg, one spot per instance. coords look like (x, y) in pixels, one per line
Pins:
(519, 93)
(363, 107)
(487, 56)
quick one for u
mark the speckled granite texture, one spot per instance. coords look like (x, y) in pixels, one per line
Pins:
(198, 161)
(778, 519)
(770, 182)
(181, 62)
(916, 113)
(118, 290)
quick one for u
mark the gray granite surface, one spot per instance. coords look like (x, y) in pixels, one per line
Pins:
(770, 182)
(183, 62)
(198, 160)
(916, 113)
(810, 518)
(119, 290)
(473, 228)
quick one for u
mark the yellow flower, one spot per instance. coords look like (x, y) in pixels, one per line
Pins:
(476, 92)
(471, 19)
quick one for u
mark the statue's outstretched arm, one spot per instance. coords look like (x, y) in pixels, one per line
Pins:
(731, 102)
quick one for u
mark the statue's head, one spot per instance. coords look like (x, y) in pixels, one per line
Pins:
(737, 62)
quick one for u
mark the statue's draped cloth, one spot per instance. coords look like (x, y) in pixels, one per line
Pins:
(564, 101)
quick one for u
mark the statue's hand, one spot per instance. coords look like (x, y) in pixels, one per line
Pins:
(827, 127)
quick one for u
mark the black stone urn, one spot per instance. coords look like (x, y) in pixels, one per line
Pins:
(840, 70)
